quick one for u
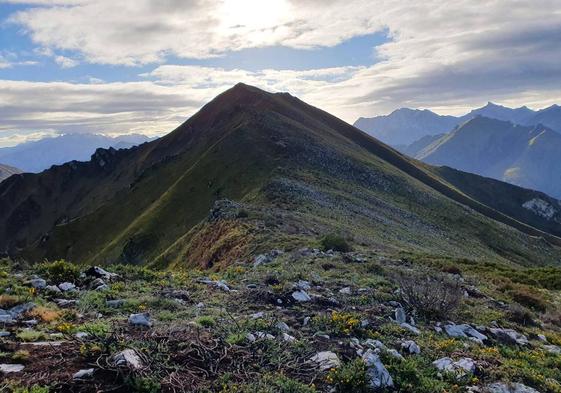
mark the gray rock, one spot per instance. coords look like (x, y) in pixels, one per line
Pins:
(465, 331)
(222, 285)
(400, 316)
(20, 309)
(501, 387)
(5, 334)
(301, 296)
(11, 368)
(103, 287)
(264, 336)
(250, 337)
(345, 291)
(283, 327)
(140, 320)
(326, 360)
(52, 288)
(6, 318)
(412, 329)
(261, 260)
(411, 347)
(65, 302)
(81, 335)
(38, 283)
(115, 303)
(462, 366)
(258, 315)
(509, 336)
(554, 349)
(288, 338)
(128, 358)
(66, 286)
(96, 271)
(378, 375)
(395, 354)
(84, 374)
(303, 285)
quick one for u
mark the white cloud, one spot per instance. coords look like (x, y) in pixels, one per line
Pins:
(66, 62)
(446, 56)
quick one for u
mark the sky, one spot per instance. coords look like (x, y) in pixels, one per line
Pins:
(145, 66)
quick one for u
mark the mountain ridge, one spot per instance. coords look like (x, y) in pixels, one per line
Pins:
(295, 170)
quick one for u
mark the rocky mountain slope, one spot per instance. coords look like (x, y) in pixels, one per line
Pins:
(7, 171)
(294, 172)
(40, 155)
(523, 155)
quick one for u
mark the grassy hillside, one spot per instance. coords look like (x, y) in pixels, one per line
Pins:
(295, 174)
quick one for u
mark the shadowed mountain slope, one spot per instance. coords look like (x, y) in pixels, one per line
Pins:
(7, 171)
(274, 172)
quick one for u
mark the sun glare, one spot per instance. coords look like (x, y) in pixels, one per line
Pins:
(253, 14)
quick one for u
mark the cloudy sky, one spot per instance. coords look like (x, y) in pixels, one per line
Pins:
(144, 66)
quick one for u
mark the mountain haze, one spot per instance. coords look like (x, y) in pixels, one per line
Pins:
(527, 156)
(40, 155)
(273, 171)
(7, 171)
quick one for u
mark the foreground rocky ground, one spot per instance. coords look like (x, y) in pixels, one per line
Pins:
(298, 321)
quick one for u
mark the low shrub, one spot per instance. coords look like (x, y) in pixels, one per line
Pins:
(206, 321)
(59, 271)
(431, 295)
(529, 297)
(335, 243)
(350, 377)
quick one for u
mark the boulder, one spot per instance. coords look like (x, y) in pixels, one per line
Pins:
(462, 366)
(464, 331)
(128, 358)
(20, 309)
(411, 328)
(378, 375)
(301, 296)
(142, 319)
(38, 283)
(509, 336)
(98, 272)
(400, 316)
(11, 368)
(84, 374)
(411, 347)
(326, 360)
(66, 286)
(501, 387)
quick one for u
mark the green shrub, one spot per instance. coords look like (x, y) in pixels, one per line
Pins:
(236, 338)
(528, 297)
(30, 335)
(59, 271)
(335, 242)
(206, 321)
(350, 377)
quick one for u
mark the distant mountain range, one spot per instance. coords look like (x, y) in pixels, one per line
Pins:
(254, 171)
(528, 156)
(7, 171)
(40, 155)
(405, 126)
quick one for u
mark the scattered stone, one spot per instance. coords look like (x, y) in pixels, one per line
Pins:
(52, 288)
(465, 331)
(501, 387)
(128, 358)
(303, 285)
(301, 296)
(288, 338)
(326, 360)
(412, 329)
(395, 354)
(115, 303)
(258, 315)
(264, 336)
(81, 335)
(400, 316)
(345, 291)
(222, 285)
(20, 309)
(5, 334)
(11, 368)
(509, 336)
(411, 347)
(6, 318)
(261, 260)
(283, 327)
(554, 349)
(84, 374)
(250, 337)
(462, 366)
(98, 272)
(31, 322)
(140, 320)
(66, 286)
(378, 375)
(38, 283)
(306, 321)
(542, 338)
(62, 303)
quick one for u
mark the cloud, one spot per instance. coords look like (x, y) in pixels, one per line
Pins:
(66, 62)
(445, 56)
